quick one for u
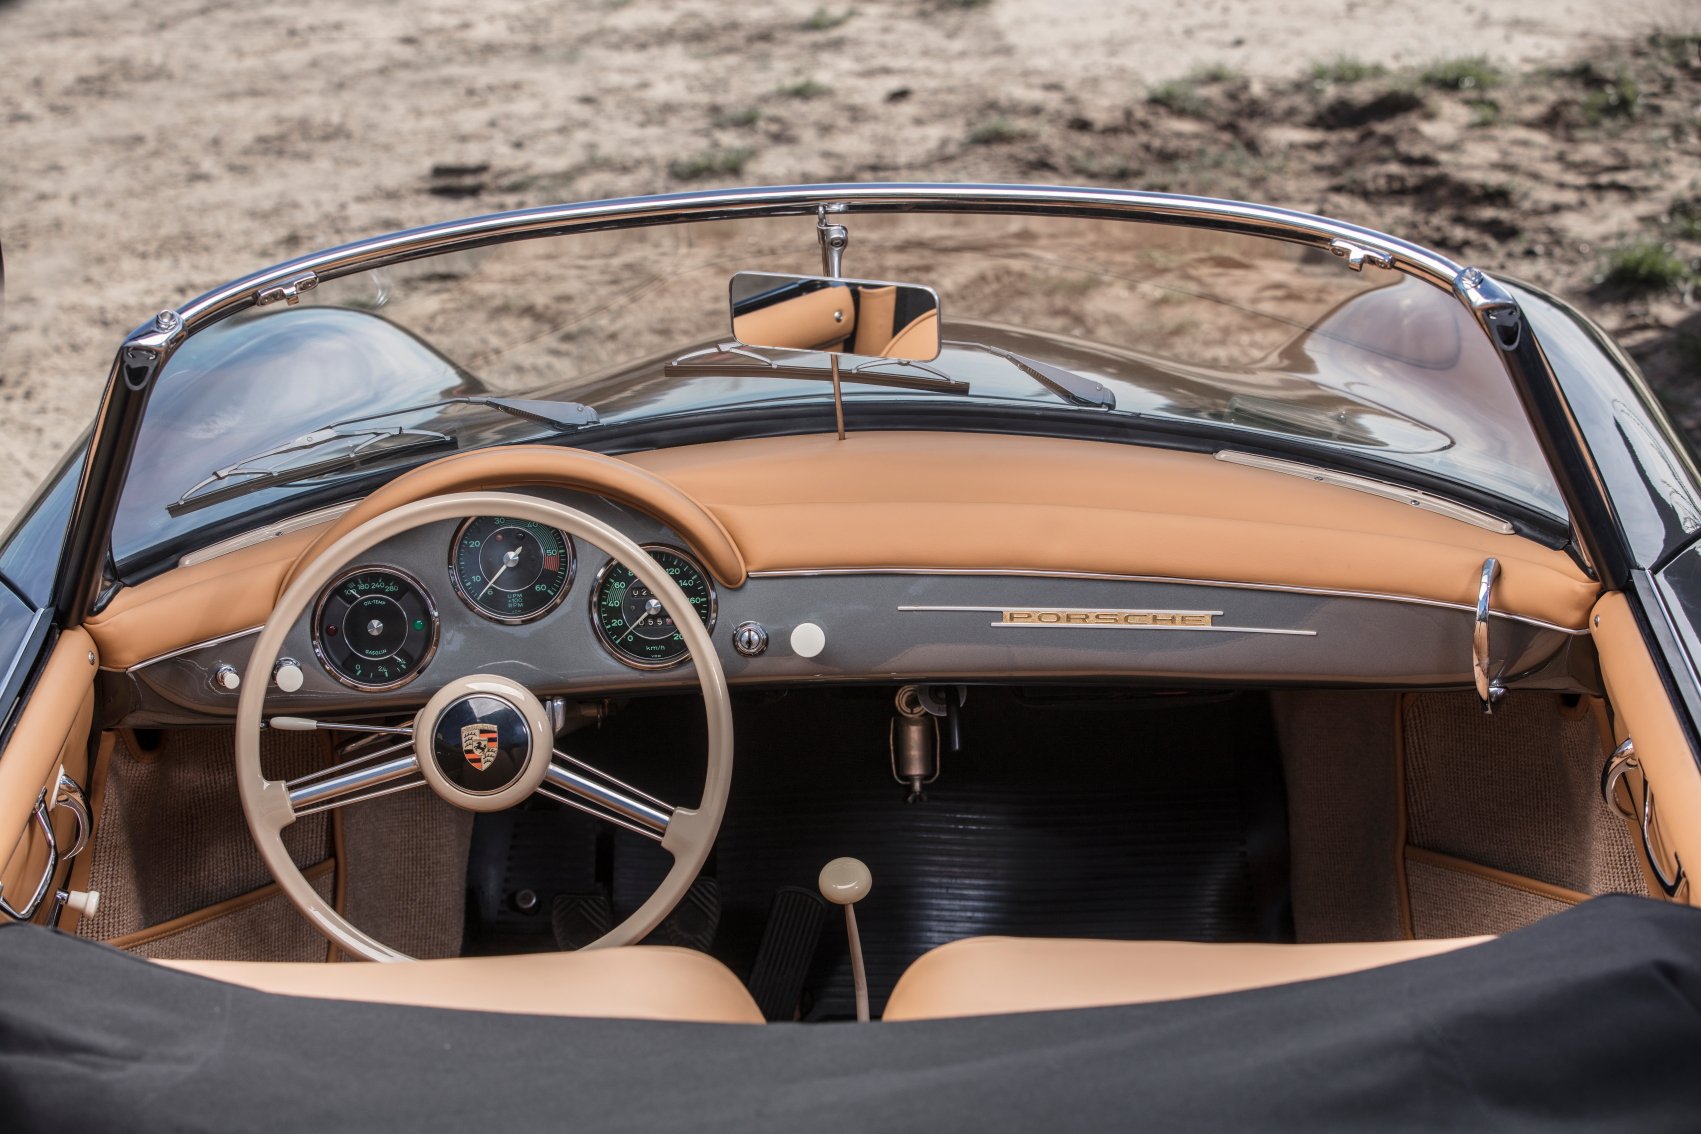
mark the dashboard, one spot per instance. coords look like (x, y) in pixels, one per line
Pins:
(523, 601)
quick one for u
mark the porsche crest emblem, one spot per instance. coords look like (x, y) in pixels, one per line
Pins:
(478, 744)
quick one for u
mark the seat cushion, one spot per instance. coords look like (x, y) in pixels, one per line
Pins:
(639, 982)
(982, 976)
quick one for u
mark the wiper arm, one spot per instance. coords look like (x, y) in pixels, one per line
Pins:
(927, 378)
(1066, 384)
(367, 445)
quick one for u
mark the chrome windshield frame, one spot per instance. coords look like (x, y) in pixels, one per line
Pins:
(84, 584)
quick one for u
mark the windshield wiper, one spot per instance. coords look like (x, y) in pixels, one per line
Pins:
(1066, 384)
(364, 443)
(928, 378)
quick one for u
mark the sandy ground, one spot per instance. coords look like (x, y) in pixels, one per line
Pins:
(149, 152)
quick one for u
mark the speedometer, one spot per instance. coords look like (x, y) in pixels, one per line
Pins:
(511, 570)
(375, 628)
(630, 619)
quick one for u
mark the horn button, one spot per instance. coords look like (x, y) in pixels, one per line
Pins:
(483, 743)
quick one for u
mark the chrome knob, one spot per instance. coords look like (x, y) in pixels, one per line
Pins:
(227, 679)
(750, 639)
(288, 675)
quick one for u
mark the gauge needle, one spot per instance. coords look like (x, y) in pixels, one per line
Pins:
(652, 608)
(508, 560)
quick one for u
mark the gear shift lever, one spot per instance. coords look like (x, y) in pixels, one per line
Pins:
(845, 882)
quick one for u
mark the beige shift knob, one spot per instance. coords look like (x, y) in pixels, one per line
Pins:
(845, 881)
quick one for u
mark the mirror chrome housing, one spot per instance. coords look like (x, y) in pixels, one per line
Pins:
(869, 318)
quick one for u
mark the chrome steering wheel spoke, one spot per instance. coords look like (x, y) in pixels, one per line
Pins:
(383, 771)
(571, 781)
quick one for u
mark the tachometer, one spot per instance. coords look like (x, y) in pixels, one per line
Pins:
(375, 628)
(629, 617)
(511, 570)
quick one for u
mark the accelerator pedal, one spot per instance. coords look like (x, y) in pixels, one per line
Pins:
(788, 947)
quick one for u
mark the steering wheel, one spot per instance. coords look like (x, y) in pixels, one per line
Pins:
(480, 719)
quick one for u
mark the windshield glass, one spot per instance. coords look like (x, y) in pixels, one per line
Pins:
(1250, 337)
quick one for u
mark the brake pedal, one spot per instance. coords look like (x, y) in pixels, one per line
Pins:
(579, 919)
(788, 946)
(693, 922)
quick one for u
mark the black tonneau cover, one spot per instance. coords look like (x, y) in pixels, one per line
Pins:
(1590, 1020)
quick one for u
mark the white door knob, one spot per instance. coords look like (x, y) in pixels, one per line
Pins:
(807, 639)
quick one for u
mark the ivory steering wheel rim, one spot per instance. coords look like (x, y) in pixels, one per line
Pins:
(689, 832)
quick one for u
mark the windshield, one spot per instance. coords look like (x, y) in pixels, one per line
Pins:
(1250, 337)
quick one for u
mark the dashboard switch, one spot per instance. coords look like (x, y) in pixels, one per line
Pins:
(807, 639)
(750, 639)
(227, 679)
(288, 676)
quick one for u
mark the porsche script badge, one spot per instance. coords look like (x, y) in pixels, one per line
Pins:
(478, 744)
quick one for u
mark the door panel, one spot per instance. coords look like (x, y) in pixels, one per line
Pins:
(51, 734)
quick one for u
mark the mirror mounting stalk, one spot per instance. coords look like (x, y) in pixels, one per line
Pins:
(833, 238)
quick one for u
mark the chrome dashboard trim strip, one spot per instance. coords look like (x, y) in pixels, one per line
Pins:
(262, 535)
(181, 650)
(1000, 624)
(1029, 573)
(1427, 501)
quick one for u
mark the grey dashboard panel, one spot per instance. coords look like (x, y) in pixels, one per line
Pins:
(898, 627)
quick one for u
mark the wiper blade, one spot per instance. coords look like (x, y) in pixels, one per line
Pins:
(366, 444)
(924, 377)
(1066, 384)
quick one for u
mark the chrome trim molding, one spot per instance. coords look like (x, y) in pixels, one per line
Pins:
(1429, 502)
(1002, 624)
(1029, 573)
(189, 649)
(261, 535)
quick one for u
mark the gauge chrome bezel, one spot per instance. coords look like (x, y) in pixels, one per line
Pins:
(319, 609)
(461, 591)
(601, 634)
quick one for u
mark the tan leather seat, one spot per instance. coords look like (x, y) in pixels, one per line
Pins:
(982, 976)
(638, 982)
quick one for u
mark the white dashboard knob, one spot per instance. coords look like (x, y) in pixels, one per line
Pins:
(227, 679)
(807, 639)
(288, 675)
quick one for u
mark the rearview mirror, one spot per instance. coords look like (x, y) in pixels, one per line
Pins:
(836, 316)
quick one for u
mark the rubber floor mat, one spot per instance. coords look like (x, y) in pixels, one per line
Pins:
(1073, 815)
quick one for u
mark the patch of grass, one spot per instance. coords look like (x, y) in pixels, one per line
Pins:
(1620, 97)
(1683, 222)
(1184, 95)
(741, 119)
(1684, 49)
(825, 19)
(1345, 69)
(965, 5)
(1466, 73)
(1181, 97)
(1484, 112)
(1645, 266)
(803, 89)
(995, 131)
(709, 163)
